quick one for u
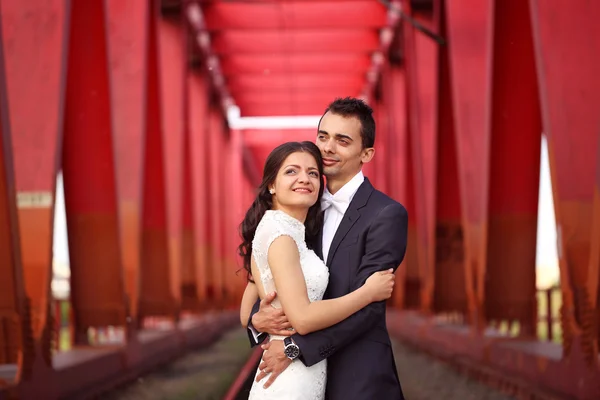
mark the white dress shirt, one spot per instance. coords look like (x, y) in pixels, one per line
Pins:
(335, 207)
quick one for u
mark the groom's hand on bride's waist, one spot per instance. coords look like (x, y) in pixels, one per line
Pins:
(271, 320)
(274, 362)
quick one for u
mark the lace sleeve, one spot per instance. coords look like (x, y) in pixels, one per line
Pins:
(273, 225)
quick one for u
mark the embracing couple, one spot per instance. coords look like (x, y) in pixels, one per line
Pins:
(321, 264)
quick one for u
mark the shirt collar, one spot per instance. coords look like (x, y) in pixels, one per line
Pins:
(347, 192)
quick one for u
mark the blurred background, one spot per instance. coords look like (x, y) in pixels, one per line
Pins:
(133, 134)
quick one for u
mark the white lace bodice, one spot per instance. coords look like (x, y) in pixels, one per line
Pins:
(297, 381)
(276, 223)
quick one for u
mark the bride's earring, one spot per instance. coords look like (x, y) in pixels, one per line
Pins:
(272, 191)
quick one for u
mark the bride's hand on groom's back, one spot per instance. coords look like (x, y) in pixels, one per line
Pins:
(271, 320)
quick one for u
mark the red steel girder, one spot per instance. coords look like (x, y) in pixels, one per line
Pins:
(34, 36)
(470, 43)
(291, 97)
(449, 293)
(293, 15)
(189, 290)
(566, 40)
(272, 138)
(316, 82)
(172, 67)
(510, 284)
(278, 109)
(422, 69)
(198, 100)
(128, 43)
(294, 64)
(97, 287)
(217, 159)
(307, 41)
(399, 180)
(159, 295)
(15, 332)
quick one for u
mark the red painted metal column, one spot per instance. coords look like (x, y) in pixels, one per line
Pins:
(510, 285)
(422, 69)
(35, 48)
(470, 43)
(97, 287)
(157, 292)
(566, 40)
(128, 46)
(15, 325)
(407, 293)
(215, 187)
(189, 290)
(449, 277)
(236, 176)
(172, 67)
(198, 131)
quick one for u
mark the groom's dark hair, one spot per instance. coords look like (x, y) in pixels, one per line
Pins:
(353, 107)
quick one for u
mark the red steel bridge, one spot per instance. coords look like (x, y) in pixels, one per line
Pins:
(132, 100)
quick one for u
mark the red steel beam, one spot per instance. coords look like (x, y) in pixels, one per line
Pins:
(569, 95)
(172, 67)
(395, 103)
(422, 69)
(296, 63)
(470, 44)
(13, 301)
(198, 146)
(97, 287)
(449, 294)
(158, 293)
(272, 138)
(510, 288)
(305, 81)
(295, 14)
(34, 36)
(215, 194)
(128, 44)
(278, 109)
(189, 283)
(308, 41)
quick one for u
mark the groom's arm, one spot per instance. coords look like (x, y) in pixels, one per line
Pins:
(254, 336)
(265, 319)
(384, 249)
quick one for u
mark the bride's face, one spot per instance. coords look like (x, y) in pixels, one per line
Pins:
(297, 183)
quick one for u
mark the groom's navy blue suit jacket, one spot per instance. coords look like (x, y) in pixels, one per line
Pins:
(371, 237)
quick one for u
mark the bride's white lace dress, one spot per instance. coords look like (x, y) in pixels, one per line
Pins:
(297, 382)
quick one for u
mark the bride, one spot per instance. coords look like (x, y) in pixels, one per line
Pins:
(283, 217)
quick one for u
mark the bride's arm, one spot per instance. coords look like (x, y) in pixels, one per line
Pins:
(305, 316)
(248, 299)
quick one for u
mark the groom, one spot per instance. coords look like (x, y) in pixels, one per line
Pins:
(363, 231)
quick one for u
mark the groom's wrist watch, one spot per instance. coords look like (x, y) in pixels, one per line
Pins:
(290, 349)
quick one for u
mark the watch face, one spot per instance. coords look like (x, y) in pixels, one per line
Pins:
(292, 351)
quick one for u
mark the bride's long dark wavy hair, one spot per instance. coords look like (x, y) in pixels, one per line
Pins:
(264, 199)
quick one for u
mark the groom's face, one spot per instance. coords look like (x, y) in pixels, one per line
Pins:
(341, 146)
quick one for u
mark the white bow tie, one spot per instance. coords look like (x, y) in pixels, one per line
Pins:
(329, 200)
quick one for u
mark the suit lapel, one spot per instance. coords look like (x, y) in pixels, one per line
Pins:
(319, 244)
(351, 215)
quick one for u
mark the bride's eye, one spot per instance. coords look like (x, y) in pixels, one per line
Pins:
(289, 171)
